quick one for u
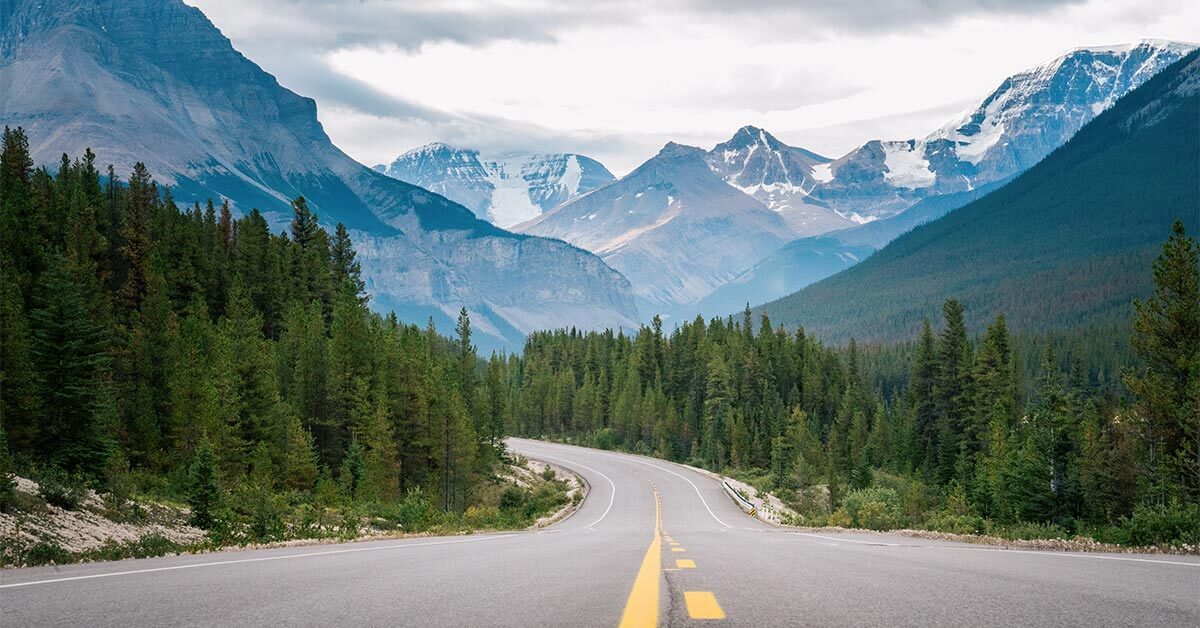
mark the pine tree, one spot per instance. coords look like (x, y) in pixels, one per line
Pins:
(73, 371)
(1166, 389)
(299, 457)
(8, 486)
(20, 226)
(717, 400)
(204, 486)
(135, 235)
(952, 388)
(347, 273)
(466, 361)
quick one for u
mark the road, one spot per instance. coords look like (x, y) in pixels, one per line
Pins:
(653, 543)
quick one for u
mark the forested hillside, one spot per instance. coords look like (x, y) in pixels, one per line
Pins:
(950, 433)
(186, 354)
(1063, 245)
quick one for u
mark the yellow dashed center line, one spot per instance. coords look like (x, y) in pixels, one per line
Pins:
(703, 605)
(678, 549)
(685, 563)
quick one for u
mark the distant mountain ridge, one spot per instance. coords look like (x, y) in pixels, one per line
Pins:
(504, 190)
(155, 81)
(781, 177)
(1025, 118)
(1068, 243)
(672, 226)
(885, 185)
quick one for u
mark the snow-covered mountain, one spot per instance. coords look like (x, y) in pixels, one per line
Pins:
(1029, 115)
(780, 176)
(899, 185)
(155, 81)
(504, 190)
(673, 227)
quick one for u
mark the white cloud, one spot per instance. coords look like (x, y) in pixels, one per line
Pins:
(617, 80)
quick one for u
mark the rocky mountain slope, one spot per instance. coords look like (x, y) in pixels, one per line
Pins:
(155, 81)
(885, 185)
(781, 177)
(505, 190)
(1019, 123)
(672, 226)
(1068, 243)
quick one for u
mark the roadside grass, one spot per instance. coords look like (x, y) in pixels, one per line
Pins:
(37, 527)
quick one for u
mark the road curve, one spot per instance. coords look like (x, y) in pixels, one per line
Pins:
(654, 542)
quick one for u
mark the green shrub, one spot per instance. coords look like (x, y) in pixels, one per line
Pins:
(62, 490)
(873, 508)
(47, 553)
(957, 524)
(548, 474)
(512, 499)
(1175, 524)
(837, 518)
(606, 438)
(1029, 531)
(482, 516)
(415, 512)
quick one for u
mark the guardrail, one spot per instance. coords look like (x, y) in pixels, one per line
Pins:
(742, 502)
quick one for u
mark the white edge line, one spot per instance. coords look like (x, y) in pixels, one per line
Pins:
(218, 563)
(1068, 555)
(830, 538)
(697, 488)
(611, 495)
(1009, 551)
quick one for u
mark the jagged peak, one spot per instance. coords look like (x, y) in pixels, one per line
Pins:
(673, 150)
(436, 147)
(1158, 44)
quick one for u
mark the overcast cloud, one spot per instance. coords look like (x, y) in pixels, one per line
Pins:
(617, 79)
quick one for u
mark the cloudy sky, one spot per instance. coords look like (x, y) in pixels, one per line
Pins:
(616, 79)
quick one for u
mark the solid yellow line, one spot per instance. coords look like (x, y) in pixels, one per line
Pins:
(703, 605)
(641, 609)
(685, 563)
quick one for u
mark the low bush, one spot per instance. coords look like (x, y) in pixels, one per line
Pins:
(956, 524)
(1028, 531)
(1173, 525)
(873, 508)
(61, 489)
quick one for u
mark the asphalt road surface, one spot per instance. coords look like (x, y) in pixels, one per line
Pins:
(653, 543)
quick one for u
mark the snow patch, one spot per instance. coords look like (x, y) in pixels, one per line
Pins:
(907, 165)
(511, 203)
(823, 172)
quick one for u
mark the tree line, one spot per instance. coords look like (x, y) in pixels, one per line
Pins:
(204, 354)
(963, 425)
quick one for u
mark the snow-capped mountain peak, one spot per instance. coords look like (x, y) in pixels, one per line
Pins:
(778, 175)
(1025, 118)
(505, 189)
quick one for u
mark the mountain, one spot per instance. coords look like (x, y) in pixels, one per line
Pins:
(779, 176)
(807, 260)
(1069, 242)
(506, 190)
(895, 186)
(1019, 123)
(155, 81)
(673, 227)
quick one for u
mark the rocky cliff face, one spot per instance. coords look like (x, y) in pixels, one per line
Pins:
(781, 177)
(504, 190)
(155, 81)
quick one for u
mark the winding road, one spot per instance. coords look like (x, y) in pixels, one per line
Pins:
(653, 544)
